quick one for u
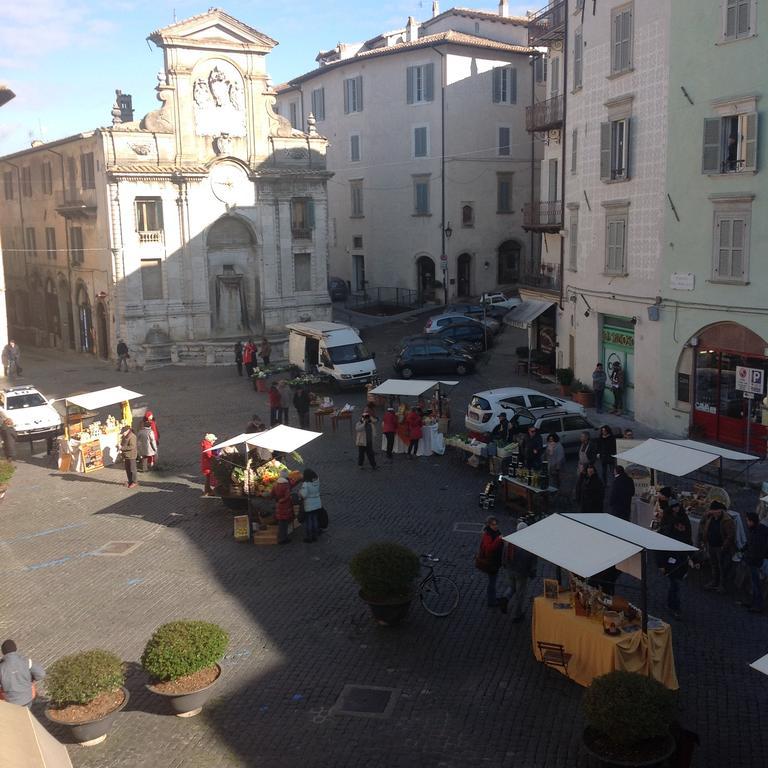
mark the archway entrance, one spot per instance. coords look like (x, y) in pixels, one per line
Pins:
(463, 272)
(425, 269)
(101, 322)
(509, 262)
(235, 293)
(720, 410)
(84, 319)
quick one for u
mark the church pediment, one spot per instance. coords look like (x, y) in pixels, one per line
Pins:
(212, 30)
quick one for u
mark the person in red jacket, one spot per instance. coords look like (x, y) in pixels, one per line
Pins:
(206, 453)
(275, 404)
(489, 556)
(149, 417)
(249, 352)
(414, 421)
(389, 429)
(281, 491)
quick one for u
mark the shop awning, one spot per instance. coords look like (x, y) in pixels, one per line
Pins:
(280, 438)
(524, 314)
(723, 453)
(677, 460)
(92, 401)
(26, 744)
(408, 387)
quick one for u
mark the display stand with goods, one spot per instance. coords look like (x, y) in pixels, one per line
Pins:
(246, 467)
(182, 659)
(88, 447)
(86, 691)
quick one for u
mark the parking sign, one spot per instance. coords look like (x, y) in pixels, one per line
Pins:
(750, 380)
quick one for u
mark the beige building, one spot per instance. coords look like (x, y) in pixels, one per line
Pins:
(203, 222)
(431, 159)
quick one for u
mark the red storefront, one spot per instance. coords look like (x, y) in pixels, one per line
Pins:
(720, 410)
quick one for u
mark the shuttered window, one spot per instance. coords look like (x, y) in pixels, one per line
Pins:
(421, 195)
(573, 240)
(87, 172)
(621, 39)
(421, 141)
(356, 195)
(354, 148)
(50, 242)
(318, 103)
(504, 85)
(615, 244)
(729, 144)
(614, 150)
(574, 149)
(738, 18)
(420, 83)
(353, 94)
(504, 140)
(731, 246)
(578, 58)
(554, 77)
(504, 193)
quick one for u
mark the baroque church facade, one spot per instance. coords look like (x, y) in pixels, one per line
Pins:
(203, 222)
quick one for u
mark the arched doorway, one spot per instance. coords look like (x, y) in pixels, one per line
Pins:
(84, 319)
(234, 283)
(720, 410)
(425, 278)
(52, 312)
(103, 333)
(65, 314)
(463, 275)
(509, 262)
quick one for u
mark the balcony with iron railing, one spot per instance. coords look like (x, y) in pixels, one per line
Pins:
(545, 115)
(543, 216)
(301, 233)
(548, 25)
(543, 277)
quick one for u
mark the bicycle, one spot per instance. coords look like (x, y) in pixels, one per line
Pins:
(438, 594)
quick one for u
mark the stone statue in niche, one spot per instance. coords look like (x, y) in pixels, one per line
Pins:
(219, 102)
(222, 145)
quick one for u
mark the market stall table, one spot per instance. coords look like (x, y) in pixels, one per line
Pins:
(431, 441)
(596, 653)
(518, 494)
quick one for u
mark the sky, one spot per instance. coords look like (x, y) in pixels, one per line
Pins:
(64, 60)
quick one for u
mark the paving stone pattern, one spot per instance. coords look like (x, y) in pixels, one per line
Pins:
(470, 692)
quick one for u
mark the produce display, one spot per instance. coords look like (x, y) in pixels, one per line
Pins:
(265, 476)
(97, 428)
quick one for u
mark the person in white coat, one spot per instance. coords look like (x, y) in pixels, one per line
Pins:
(310, 493)
(147, 445)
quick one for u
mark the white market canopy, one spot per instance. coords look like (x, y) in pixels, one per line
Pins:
(526, 312)
(586, 544)
(92, 401)
(26, 744)
(761, 664)
(679, 457)
(280, 438)
(408, 388)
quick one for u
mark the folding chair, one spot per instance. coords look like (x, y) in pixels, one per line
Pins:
(554, 655)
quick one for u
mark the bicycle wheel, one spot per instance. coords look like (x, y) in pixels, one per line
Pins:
(439, 595)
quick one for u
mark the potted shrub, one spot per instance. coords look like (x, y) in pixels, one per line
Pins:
(582, 394)
(385, 571)
(181, 658)
(628, 719)
(86, 692)
(564, 378)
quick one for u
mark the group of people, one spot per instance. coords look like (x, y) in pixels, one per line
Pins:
(311, 506)
(247, 355)
(409, 424)
(139, 450)
(11, 357)
(280, 400)
(613, 379)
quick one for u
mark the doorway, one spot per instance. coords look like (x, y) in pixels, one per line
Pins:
(509, 262)
(103, 333)
(85, 320)
(463, 271)
(425, 268)
(358, 269)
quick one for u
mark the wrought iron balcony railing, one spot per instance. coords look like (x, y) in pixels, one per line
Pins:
(548, 25)
(545, 115)
(543, 216)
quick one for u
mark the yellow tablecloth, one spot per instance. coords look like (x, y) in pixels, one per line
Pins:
(594, 652)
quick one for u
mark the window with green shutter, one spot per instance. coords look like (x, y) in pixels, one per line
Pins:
(318, 103)
(739, 19)
(421, 141)
(504, 85)
(420, 83)
(505, 146)
(621, 39)
(421, 195)
(578, 58)
(731, 246)
(729, 144)
(614, 150)
(353, 94)
(615, 244)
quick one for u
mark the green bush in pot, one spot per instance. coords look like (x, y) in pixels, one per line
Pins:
(82, 677)
(385, 570)
(181, 648)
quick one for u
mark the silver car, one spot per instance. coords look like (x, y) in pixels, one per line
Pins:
(438, 322)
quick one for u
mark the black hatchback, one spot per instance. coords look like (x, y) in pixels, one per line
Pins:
(427, 357)
(473, 335)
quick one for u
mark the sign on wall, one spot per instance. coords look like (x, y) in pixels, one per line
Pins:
(749, 380)
(682, 281)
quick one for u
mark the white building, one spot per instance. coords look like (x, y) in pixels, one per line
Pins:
(431, 161)
(204, 222)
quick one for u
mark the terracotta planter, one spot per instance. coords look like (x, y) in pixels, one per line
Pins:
(565, 390)
(91, 732)
(587, 399)
(188, 704)
(389, 613)
(658, 749)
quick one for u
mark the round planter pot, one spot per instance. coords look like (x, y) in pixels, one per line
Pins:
(666, 746)
(389, 612)
(188, 704)
(91, 732)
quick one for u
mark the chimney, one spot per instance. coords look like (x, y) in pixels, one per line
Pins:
(411, 30)
(122, 109)
(504, 8)
(435, 8)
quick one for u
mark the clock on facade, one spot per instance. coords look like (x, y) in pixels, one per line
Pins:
(230, 183)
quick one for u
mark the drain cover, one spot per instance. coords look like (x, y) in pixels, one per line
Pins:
(468, 527)
(117, 548)
(366, 701)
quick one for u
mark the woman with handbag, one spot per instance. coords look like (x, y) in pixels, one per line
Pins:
(310, 494)
(488, 560)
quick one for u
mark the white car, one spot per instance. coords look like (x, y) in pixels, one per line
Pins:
(495, 300)
(29, 414)
(484, 407)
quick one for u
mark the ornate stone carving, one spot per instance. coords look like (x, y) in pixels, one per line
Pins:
(222, 145)
(298, 153)
(141, 149)
(219, 101)
(160, 121)
(279, 125)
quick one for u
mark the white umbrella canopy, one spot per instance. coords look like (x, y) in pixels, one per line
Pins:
(25, 743)
(408, 387)
(92, 401)
(280, 438)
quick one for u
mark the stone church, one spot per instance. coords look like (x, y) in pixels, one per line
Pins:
(204, 222)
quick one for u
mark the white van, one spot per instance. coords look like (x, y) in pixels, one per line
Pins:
(332, 350)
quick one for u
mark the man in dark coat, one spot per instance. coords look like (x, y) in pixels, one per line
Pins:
(502, 432)
(532, 449)
(621, 493)
(592, 491)
(674, 565)
(754, 555)
(301, 404)
(130, 450)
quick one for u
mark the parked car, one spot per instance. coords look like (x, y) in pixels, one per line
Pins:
(473, 335)
(432, 356)
(484, 407)
(476, 310)
(459, 345)
(337, 289)
(437, 322)
(501, 300)
(567, 425)
(29, 413)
